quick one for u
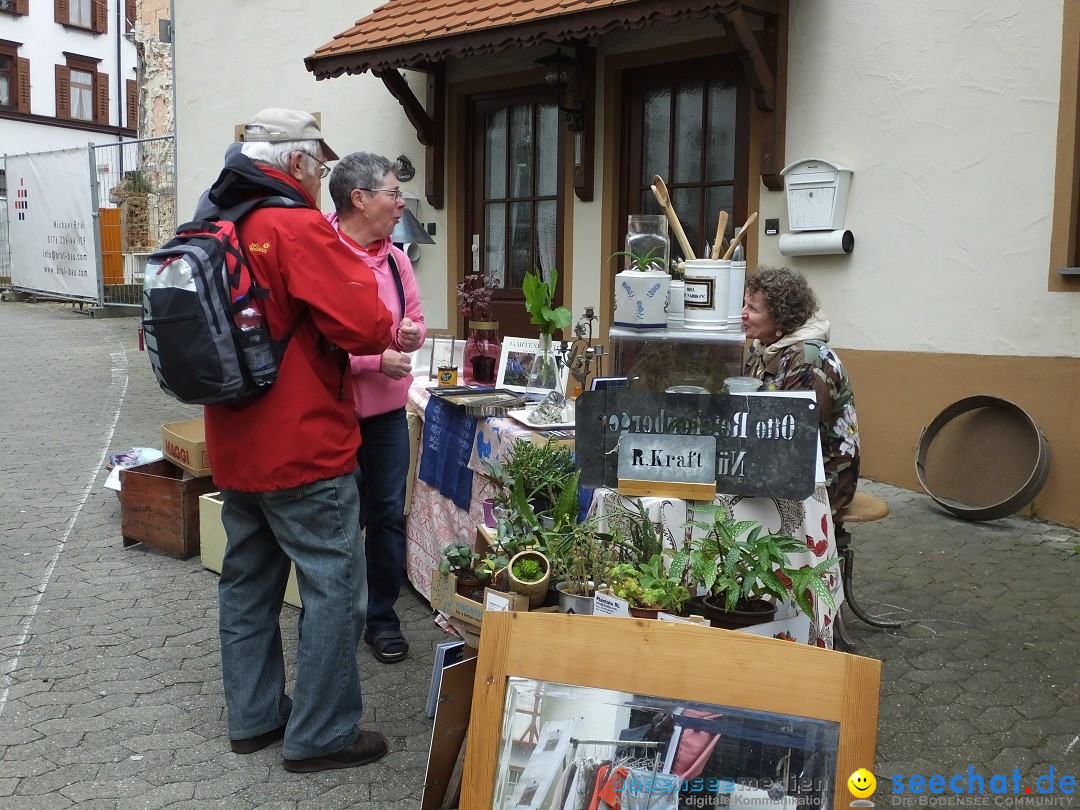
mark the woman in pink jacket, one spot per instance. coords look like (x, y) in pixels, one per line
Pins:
(365, 191)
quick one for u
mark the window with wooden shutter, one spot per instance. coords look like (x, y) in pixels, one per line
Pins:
(101, 99)
(63, 92)
(15, 6)
(62, 12)
(132, 104)
(100, 15)
(23, 78)
(130, 11)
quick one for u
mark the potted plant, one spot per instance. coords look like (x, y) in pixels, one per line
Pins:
(648, 587)
(543, 471)
(529, 574)
(539, 298)
(482, 349)
(738, 564)
(469, 566)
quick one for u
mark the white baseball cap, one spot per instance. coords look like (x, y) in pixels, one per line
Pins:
(277, 125)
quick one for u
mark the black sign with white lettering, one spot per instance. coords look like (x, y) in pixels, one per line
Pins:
(765, 445)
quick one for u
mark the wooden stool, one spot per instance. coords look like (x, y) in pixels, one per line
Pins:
(864, 508)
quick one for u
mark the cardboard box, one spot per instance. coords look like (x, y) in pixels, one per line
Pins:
(160, 507)
(184, 444)
(446, 599)
(213, 543)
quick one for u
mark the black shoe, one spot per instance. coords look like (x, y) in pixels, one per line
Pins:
(253, 744)
(369, 746)
(389, 646)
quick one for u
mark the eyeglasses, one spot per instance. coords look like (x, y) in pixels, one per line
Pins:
(396, 193)
(324, 171)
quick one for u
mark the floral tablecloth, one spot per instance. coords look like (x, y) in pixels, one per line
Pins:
(810, 520)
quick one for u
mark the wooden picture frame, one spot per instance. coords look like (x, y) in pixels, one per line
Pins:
(670, 660)
(515, 362)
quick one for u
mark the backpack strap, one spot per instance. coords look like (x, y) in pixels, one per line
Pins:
(397, 280)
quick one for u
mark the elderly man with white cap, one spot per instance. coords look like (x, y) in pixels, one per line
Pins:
(285, 462)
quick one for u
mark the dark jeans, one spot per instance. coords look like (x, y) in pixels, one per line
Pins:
(317, 527)
(382, 467)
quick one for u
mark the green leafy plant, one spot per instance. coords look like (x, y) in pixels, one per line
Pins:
(543, 471)
(459, 559)
(528, 570)
(648, 585)
(737, 560)
(642, 262)
(539, 297)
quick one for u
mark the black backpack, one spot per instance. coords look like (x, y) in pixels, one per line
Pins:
(193, 288)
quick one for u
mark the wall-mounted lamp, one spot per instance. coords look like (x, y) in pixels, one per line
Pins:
(561, 74)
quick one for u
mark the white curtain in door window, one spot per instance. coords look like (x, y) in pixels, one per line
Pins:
(546, 237)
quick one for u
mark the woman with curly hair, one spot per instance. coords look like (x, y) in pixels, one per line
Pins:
(790, 353)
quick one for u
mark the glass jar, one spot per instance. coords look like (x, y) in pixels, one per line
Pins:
(544, 373)
(482, 350)
(647, 243)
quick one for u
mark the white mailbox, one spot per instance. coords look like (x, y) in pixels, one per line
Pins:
(817, 193)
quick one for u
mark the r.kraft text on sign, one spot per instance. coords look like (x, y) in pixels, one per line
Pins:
(762, 445)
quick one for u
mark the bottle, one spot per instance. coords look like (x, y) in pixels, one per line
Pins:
(255, 342)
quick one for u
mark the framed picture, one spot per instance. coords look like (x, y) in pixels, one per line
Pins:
(441, 350)
(516, 362)
(751, 722)
(603, 383)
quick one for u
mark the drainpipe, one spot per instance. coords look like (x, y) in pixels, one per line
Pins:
(120, 81)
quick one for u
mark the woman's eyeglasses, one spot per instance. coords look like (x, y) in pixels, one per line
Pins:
(396, 193)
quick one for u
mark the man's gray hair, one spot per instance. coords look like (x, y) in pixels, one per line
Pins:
(277, 154)
(357, 170)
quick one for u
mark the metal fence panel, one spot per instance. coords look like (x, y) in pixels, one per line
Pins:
(136, 192)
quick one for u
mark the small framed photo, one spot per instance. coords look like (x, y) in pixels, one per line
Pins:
(516, 362)
(603, 383)
(446, 350)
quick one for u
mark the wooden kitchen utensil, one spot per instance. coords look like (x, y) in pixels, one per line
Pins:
(742, 232)
(660, 191)
(721, 229)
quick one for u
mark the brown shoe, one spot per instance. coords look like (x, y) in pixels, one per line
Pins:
(369, 746)
(253, 744)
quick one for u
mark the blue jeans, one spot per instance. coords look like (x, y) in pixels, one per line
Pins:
(383, 465)
(316, 526)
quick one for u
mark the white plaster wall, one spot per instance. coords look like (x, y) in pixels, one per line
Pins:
(947, 114)
(218, 88)
(43, 42)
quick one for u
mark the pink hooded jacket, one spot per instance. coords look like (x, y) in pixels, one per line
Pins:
(373, 392)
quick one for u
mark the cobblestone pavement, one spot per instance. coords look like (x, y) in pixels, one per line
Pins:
(110, 689)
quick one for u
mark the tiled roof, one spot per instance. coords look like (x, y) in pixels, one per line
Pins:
(414, 33)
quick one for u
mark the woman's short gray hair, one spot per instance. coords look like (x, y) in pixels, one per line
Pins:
(787, 295)
(357, 170)
(277, 154)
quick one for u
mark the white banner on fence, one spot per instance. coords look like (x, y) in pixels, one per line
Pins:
(50, 226)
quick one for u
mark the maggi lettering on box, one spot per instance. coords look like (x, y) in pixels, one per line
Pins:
(184, 443)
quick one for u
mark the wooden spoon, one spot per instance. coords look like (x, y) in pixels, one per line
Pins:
(660, 191)
(742, 232)
(721, 228)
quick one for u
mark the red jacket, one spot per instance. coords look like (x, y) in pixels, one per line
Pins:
(304, 428)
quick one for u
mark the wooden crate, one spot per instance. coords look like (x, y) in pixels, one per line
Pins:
(161, 509)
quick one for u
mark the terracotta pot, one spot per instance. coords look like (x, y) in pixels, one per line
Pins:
(467, 586)
(644, 612)
(754, 611)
